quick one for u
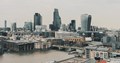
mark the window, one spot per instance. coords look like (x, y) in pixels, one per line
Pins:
(97, 54)
(105, 55)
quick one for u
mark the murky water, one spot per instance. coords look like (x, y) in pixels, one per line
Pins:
(36, 57)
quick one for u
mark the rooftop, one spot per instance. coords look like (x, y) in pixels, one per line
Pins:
(97, 48)
(19, 42)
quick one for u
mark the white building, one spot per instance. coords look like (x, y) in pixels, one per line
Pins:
(40, 28)
(63, 34)
(92, 52)
(114, 60)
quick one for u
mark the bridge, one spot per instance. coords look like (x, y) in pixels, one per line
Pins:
(67, 47)
(74, 60)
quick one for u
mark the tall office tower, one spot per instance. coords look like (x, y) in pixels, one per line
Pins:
(56, 20)
(28, 26)
(73, 23)
(5, 25)
(85, 22)
(37, 19)
(72, 26)
(14, 28)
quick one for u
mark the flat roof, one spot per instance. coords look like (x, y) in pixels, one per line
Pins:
(97, 48)
(90, 47)
(96, 43)
(102, 49)
(19, 42)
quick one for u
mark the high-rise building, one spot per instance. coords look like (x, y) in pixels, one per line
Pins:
(72, 26)
(37, 19)
(28, 26)
(56, 21)
(5, 25)
(85, 22)
(14, 28)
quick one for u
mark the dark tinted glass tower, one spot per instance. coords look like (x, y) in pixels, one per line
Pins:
(73, 23)
(85, 22)
(37, 19)
(56, 20)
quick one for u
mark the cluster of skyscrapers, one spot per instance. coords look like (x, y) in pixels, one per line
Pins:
(83, 37)
(56, 25)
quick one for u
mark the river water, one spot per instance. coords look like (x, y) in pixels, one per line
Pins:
(36, 57)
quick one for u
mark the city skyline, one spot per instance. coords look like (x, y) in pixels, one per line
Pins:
(105, 13)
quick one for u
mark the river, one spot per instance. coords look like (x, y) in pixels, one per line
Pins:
(35, 57)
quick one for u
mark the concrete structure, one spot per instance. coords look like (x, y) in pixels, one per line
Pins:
(43, 44)
(95, 52)
(63, 34)
(114, 60)
(106, 39)
(114, 34)
(19, 45)
(41, 28)
(14, 27)
(95, 35)
(75, 39)
(115, 54)
(85, 22)
(37, 19)
(55, 41)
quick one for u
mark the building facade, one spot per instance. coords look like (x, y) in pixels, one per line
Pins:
(85, 22)
(14, 27)
(37, 19)
(28, 26)
(72, 26)
(56, 21)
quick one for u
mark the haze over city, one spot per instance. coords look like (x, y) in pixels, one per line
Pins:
(105, 13)
(59, 31)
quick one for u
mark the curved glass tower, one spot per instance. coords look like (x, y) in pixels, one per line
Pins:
(85, 22)
(56, 20)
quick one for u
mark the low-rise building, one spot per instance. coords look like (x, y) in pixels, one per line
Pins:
(101, 52)
(64, 34)
(19, 45)
(75, 39)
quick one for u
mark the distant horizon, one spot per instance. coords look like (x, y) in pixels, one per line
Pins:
(105, 13)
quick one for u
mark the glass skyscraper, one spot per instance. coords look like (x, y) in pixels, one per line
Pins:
(56, 21)
(85, 22)
(37, 19)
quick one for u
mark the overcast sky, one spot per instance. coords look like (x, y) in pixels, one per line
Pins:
(105, 13)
